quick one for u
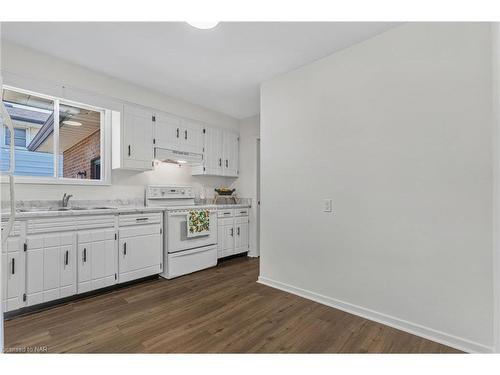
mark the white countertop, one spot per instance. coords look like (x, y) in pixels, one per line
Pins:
(110, 211)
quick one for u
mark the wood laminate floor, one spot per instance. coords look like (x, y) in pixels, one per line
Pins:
(219, 310)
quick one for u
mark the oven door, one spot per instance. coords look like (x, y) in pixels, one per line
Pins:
(177, 239)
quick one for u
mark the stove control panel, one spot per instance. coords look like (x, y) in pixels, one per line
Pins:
(169, 192)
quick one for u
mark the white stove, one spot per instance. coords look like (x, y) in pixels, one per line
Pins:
(183, 254)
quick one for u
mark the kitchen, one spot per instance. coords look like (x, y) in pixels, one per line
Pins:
(135, 222)
(61, 249)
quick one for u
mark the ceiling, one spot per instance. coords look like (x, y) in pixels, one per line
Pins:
(220, 69)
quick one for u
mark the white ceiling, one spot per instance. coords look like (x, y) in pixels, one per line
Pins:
(220, 69)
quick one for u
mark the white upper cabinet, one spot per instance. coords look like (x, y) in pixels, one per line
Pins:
(192, 136)
(220, 155)
(230, 151)
(167, 131)
(133, 138)
(174, 133)
(212, 155)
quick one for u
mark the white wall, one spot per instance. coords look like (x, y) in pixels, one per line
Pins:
(246, 184)
(38, 71)
(397, 130)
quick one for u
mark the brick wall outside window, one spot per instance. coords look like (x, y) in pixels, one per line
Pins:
(78, 158)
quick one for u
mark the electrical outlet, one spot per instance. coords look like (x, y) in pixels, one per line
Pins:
(327, 205)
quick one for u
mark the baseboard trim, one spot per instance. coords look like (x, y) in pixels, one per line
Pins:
(403, 325)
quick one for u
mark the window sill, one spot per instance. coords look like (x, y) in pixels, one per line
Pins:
(53, 181)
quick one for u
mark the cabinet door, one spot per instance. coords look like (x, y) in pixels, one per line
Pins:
(213, 151)
(241, 237)
(167, 131)
(50, 267)
(192, 136)
(97, 260)
(140, 252)
(227, 240)
(13, 280)
(137, 138)
(230, 154)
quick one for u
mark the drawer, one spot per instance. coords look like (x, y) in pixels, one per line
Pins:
(69, 223)
(140, 219)
(224, 221)
(241, 220)
(139, 230)
(225, 213)
(241, 211)
(184, 262)
(16, 228)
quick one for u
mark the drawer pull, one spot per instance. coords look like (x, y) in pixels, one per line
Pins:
(243, 212)
(142, 219)
(227, 213)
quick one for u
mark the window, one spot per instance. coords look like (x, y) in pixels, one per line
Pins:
(55, 139)
(19, 137)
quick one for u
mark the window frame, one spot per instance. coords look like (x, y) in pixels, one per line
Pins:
(26, 137)
(105, 144)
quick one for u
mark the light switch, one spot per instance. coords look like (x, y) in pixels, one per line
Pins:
(327, 205)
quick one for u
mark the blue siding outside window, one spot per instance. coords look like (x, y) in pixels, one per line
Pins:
(19, 137)
(29, 163)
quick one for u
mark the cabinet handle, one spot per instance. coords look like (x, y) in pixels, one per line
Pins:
(232, 232)
(177, 132)
(227, 165)
(66, 258)
(85, 254)
(220, 162)
(128, 150)
(125, 248)
(142, 219)
(13, 266)
(238, 231)
(185, 134)
(243, 212)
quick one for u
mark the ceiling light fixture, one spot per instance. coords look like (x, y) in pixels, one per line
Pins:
(72, 123)
(205, 25)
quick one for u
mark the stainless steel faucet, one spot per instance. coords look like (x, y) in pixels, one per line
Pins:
(65, 199)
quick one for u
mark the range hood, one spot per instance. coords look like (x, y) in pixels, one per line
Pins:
(177, 157)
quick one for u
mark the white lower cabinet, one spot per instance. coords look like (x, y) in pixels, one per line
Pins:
(233, 227)
(140, 251)
(241, 235)
(13, 275)
(97, 259)
(50, 267)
